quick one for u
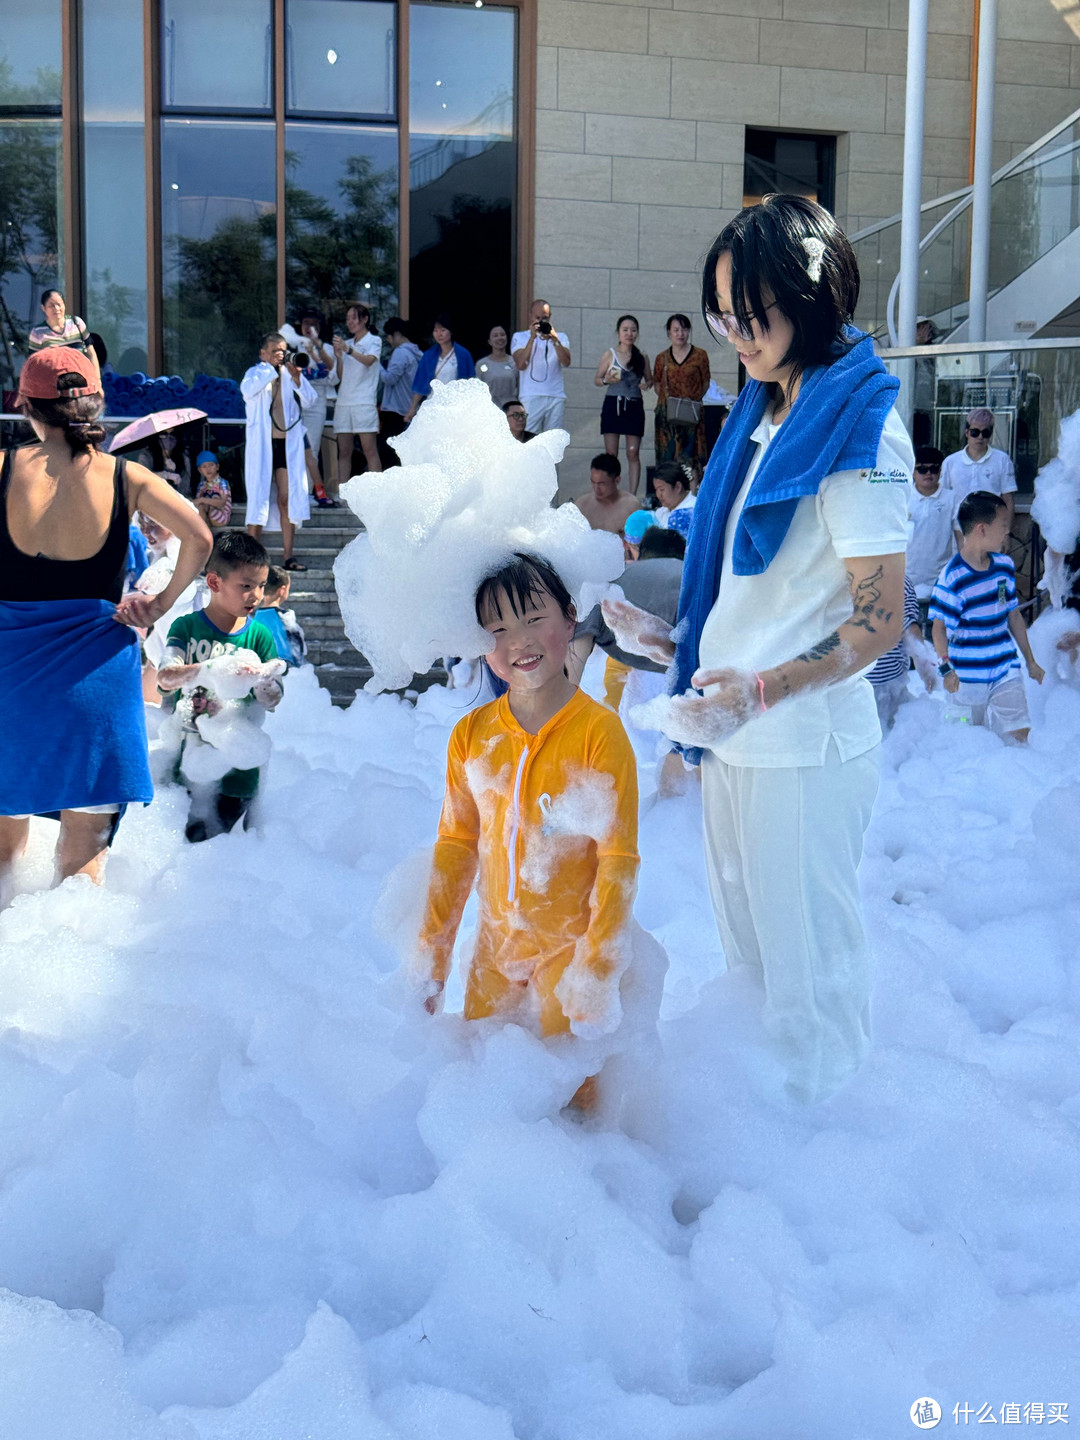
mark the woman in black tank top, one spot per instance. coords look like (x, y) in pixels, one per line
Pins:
(70, 675)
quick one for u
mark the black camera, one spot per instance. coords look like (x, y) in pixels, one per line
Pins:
(544, 327)
(299, 358)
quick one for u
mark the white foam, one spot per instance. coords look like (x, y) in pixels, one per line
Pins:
(465, 498)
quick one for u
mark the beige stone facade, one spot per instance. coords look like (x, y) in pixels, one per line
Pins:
(642, 109)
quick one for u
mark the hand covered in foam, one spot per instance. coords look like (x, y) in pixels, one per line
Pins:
(639, 633)
(703, 720)
(233, 676)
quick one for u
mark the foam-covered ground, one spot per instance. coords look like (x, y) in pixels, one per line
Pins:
(243, 1196)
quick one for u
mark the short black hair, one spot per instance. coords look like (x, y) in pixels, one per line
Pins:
(657, 544)
(277, 577)
(609, 464)
(233, 548)
(672, 473)
(396, 326)
(509, 405)
(769, 266)
(929, 455)
(521, 579)
(979, 508)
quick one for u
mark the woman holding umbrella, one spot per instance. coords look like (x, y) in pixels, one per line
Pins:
(69, 672)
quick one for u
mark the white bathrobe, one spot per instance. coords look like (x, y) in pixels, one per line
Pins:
(255, 387)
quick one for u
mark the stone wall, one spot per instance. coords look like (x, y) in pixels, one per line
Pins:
(640, 127)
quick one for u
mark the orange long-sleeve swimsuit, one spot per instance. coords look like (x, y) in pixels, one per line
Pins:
(550, 822)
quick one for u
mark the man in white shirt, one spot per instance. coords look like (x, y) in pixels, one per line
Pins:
(978, 466)
(930, 546)
(541, 353)
(358, 385)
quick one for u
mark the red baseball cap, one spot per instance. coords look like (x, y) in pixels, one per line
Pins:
(58, 373)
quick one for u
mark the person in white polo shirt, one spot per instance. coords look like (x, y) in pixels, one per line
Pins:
(541, 353)
(793, 586)
(979, 466)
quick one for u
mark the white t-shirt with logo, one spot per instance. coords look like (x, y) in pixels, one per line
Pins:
(544, 373)
(759, 621)
(359, 384)
(931, 544)
(962, 475)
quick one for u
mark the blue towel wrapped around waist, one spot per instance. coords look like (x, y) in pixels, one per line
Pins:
(71, 708)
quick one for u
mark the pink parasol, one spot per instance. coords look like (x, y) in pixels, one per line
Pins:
(154, 425)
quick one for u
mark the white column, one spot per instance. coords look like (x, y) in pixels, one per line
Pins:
(910, 217)
(984, 169)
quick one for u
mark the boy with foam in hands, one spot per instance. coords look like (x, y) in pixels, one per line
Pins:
(976, 619)
(236, 575)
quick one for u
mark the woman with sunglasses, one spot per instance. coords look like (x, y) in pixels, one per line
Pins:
(793, 585)
(931, 543)
(979, 466)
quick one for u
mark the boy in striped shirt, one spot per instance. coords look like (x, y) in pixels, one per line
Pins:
(976, 620)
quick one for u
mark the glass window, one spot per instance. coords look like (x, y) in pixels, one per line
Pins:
(342, 57)
(462, 168)
(778, 162)
(341, 203)
(217, 55)
(30, 54)
(114, 168)
(31, 234)
(218, 244)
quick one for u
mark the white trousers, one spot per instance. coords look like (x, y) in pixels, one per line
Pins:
(544, 412)
(782, 849)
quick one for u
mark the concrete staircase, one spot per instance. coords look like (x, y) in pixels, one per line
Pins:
(340, 668)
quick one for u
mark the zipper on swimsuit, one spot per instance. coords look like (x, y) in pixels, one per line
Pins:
(515, 825)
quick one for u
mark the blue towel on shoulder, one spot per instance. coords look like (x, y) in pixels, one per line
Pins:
(71, 708)
(835, 424)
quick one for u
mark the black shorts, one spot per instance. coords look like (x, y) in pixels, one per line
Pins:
(622, 417)
(280, 457)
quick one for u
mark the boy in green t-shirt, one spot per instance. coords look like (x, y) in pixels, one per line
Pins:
(236, 576)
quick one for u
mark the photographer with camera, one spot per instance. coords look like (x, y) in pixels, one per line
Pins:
(276, 391)
(541, 353)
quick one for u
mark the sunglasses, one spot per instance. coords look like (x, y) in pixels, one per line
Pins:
(725, 326)
(927, 469)
(980, 434)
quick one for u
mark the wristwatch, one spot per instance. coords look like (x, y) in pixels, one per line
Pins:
(944, 668)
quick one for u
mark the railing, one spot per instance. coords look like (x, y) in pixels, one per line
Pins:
(1035, 203)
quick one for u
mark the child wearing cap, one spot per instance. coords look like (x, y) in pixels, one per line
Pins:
(212, 495)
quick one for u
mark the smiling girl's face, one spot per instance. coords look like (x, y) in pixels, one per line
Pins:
(762, 351)
(530, 648)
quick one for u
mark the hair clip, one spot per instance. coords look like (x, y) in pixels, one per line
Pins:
(815, 250)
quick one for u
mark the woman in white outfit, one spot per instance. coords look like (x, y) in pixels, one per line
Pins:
(792, 588)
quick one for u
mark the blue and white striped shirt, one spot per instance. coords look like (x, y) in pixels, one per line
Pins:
(897, 662)
(974, 607)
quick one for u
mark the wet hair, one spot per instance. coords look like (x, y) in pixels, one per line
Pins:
(657, 544)
(681, 318)
(637, 360)
(46, 293)
(277, 577)
(929, 455)
(233, 548)
(522, 579)
(362, 313)
(981, 507)
(78, 418)
(672, 473)
(609, 464)
(769, 266)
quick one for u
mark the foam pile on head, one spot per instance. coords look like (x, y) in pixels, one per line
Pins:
(465, 498)
(1056, 507)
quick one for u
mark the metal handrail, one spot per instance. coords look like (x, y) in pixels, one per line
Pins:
(977, 347)
(1015, 163)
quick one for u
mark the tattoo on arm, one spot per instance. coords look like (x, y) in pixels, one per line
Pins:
(866, 595)
(822, 648)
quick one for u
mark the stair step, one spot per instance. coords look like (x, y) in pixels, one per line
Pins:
(341, 519)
